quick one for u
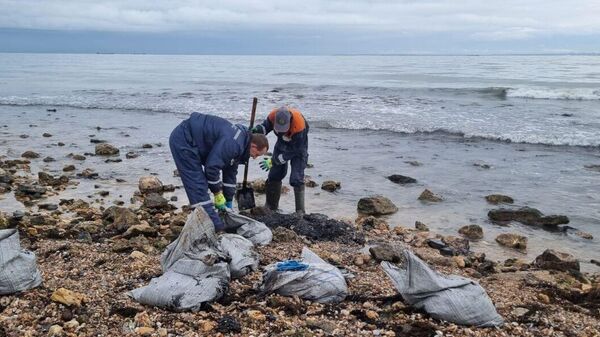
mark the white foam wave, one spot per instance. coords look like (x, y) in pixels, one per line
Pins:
(558, 93)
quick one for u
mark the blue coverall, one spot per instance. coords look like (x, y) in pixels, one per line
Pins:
(203, 146)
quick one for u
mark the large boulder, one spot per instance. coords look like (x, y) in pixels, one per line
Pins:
(472, 232)
(150, 184)
(387, 252)
(527, 216)
(511, 240)
(376, 205)
(551, 259)
(105, 149)
(400, 179)
(498, 198)
(156, 201)
(427, 195)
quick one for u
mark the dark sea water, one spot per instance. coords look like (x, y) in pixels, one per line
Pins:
(534, 120)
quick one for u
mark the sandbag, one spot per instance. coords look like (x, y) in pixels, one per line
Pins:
(243, 258)
(451, 298)
(312, 279)
(255, 231)
(195, 270)
(18, 267)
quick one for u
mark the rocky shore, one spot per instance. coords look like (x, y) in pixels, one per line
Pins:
(92, 252)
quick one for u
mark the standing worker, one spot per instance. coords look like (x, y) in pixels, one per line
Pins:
(203, 146)
(291, 130)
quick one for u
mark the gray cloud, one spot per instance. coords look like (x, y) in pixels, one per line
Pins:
(480, 20)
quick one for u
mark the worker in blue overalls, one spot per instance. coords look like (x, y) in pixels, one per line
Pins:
(291, 130)
(203, 146)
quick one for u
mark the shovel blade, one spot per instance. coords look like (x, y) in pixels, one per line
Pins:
(245, 198)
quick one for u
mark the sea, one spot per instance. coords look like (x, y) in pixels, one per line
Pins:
(466, 126)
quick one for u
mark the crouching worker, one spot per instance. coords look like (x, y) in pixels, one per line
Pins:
(291, 130)
(203, 146)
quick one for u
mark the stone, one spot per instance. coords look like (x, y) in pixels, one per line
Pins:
(88, 174)
(327, 326)
(97, 141)
(142, 319)
(370, 222)
(309, 182)
(258, 185)
(55, 331)
(331, 186)
(71, 325)
(376, 205)
(105, 149)
(371, 314)
(584, 235)
(207, 326)
(281, 234)
(519, 311)
(150, 184)
(498, 198)
(512, 240)
(401, 180)
(527, 216)
(78, 157)
(67, 297)
(458, 244)
(49, 160)
(472, 232)
(142, 229)
(48, 207)
(46, 134)
(156, 201)
(554, 260)
(144, 331)
(29, 190)
(131, 155)
(421, 226)
(256, 315)
(69, 168)
(459, 261)
(387, 252)
(543, 298)
(30, 155)
(228, 324)
(147, 146)
(49, 180)
(427, 195)
(137, 255)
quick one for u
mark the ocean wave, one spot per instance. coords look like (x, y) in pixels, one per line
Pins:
(558, 93)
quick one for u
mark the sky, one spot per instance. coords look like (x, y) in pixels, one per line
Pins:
(300, 27)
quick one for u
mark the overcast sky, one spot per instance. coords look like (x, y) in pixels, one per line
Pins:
(300, 27)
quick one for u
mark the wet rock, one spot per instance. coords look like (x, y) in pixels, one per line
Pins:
(228, 324)
(147, 146)
(105, 149)
(314, 226)
(103, 193)
(527, 216)
(596, 262)
(427, 195)
(371, 222)
(23, 136)
(5, 177)
(119, 218)
(387, 252)
(30, 155)
(49, 180)
(512, 240)
(331, 186)
(402, 180)
(67, 297)
(142, 229)
(46, 134)
(593, 167)
(117, 160)
(258, 185)
(309, 182)
(459, 245)
(88, 174)
(48, 160)
(482, 165)
(441, 246)
(60, 144)
(584, 235)
(48, 207)
(131, 155)
(156, 201)
(69, 168)
(78, 157)
(174, 198)
(472, 232)
(498, 198)
(168, 188)
(150, 184)
(5, 188)
(376, 205)
(30, 190)
(551, 259)
(414, 163)
(97, 141)
(421, 226)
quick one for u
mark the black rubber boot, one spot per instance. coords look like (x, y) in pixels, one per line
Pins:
(273, 192)
(299, 199)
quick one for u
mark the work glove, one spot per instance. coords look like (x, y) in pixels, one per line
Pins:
(258, 129)
(220, 201)
(229, 204)
(214, 216)
(266, 164)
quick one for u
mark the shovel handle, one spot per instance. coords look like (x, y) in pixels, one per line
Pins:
(254, 102)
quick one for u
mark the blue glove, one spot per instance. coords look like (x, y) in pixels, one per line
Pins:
(229, 204)
(266, 164)
(216, 219)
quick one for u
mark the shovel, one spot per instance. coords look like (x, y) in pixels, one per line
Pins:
(245, 195)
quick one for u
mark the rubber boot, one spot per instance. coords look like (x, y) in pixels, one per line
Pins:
(299, 199)
(273, 192)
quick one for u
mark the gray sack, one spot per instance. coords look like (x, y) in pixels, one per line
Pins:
(18, 267)
(451, 298)
(243, 258)
(195, 271)
(253, 230)
(320, 282)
